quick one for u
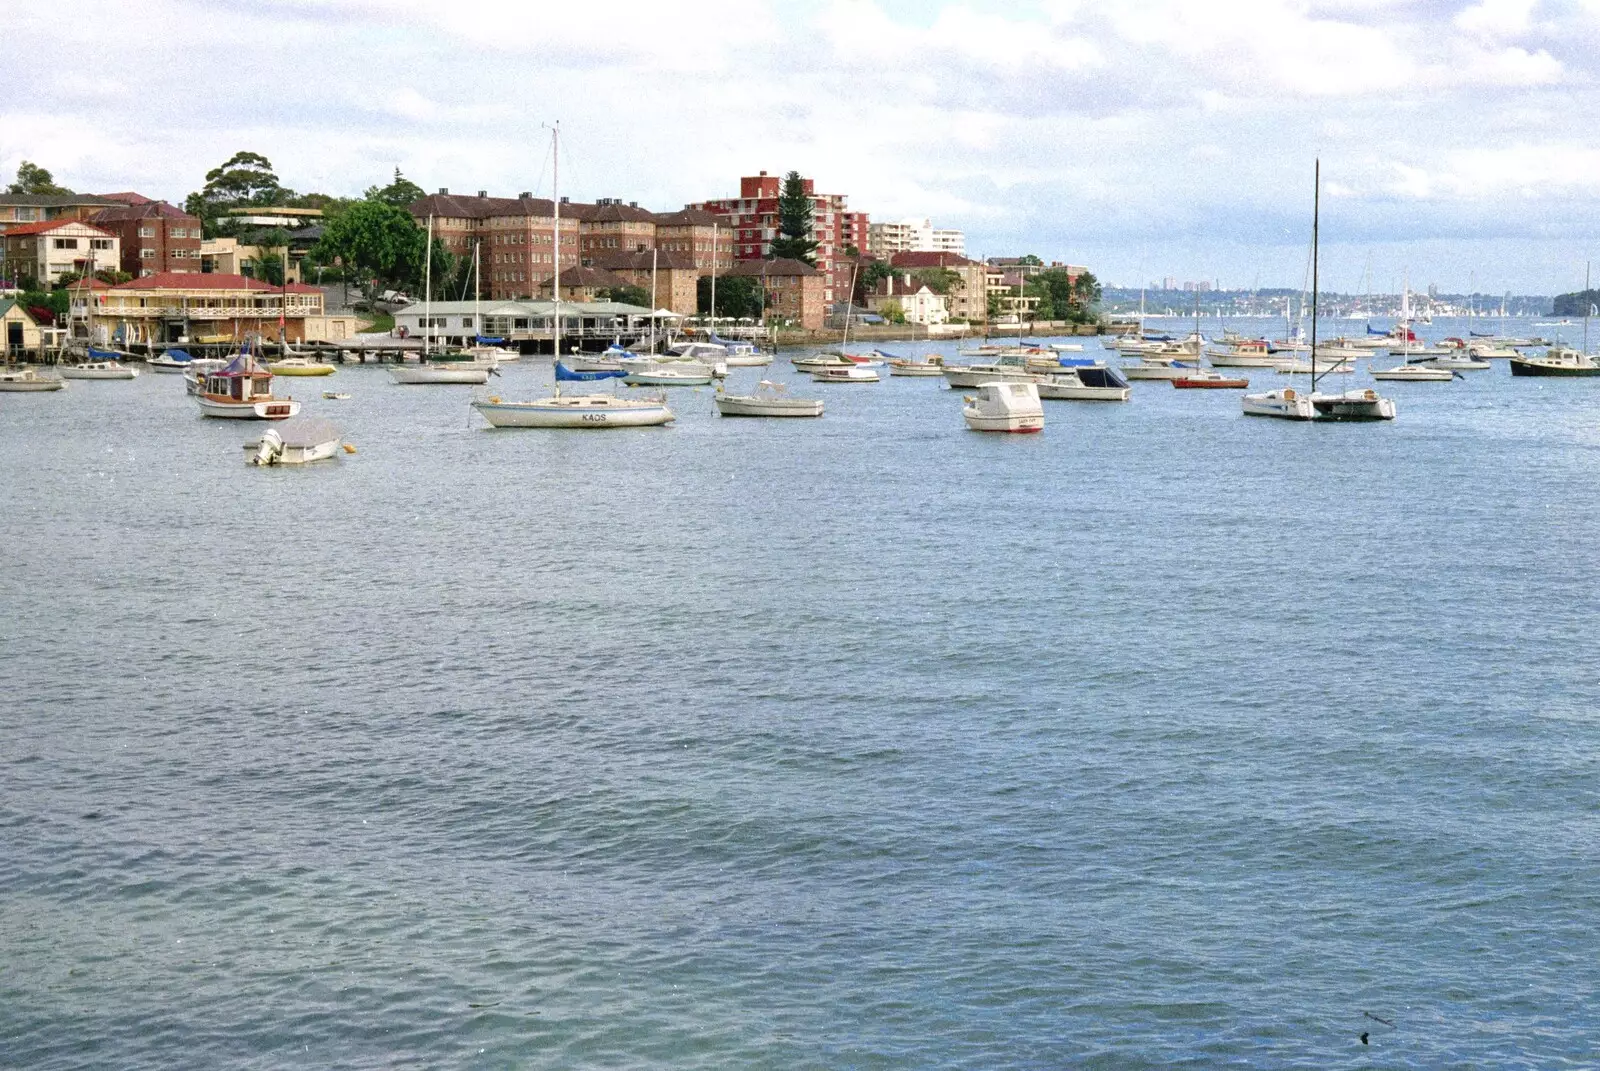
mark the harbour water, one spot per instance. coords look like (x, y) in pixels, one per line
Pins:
(1165, 737)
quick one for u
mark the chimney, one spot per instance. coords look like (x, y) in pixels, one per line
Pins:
(483, 193)
(763, 174)
(525, 195)
(444, 191)
(633, 204)
(566, 200)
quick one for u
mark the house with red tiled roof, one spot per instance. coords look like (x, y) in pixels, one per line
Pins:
(18, 208)
(913, 297)
(46, 251)
(967, 293)
(188, 306)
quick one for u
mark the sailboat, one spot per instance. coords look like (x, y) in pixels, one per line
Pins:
(1562, 360)
(1287, 403)
(452, 372)
(570, 410)
(1202, 378)
(490, 351)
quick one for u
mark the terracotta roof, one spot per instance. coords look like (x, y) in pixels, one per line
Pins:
(613, 211)
(930, 260)
(127, 198)
(52, 224)
(688, 217)
(595, 277)
(779, 266)
(144, 209)
(620, 261)
(178, 280)
(456, 207)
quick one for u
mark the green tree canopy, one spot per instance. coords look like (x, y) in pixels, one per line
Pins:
(1030, 259)
(794, 222)
(737, 295)
(33, 179)
(380, 243)
(1061, 297)
(401, 193)
(871, 273)
(1575, 304)
(939, 280)
(893, 312)
(245, 180)
(631, 295)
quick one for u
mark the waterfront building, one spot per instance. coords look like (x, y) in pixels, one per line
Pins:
(753, 217)
(155, 237)
(793, 289)
(675, 277)
(915, 299)
(459, 322)
(21, 208)
(582, 284)
(968, 296)
(610, 226)
(19, 331)
(177, 306)
(47, 251)
(691, 233)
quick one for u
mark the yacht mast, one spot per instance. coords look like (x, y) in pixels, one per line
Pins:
(555, 200)
(427, 292)
(1316, 210)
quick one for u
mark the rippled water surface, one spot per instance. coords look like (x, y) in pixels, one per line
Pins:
(1166, 737)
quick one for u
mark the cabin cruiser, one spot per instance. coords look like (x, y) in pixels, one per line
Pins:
(28, 379)
(1013, 407)
(1010, 368)
(931, 365)
(1085, 384)
(849, 373)
(98, 370)
(1243, 353)
(242, 391)
(1414, 373)
(1556, 361)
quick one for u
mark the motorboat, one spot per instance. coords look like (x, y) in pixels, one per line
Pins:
(98, 370)
(1013, 407)
(1556, 361)
(335, 396)
(1087, 384)
(1009, 368)
(294, 442)
(576, 411)
(769, 400)
(931, 365)
(28, 379)
(1154, 368)
(242, 391)
(448, 373)
(1244, 353)
(170, 361)
(299, 366)
(1414, 373)
(1486, 351)
(1285, 403)
(845, 374)
(1067, 347)
(1210, 379)
(1363, 403)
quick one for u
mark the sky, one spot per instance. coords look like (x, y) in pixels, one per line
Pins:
(1460, 142)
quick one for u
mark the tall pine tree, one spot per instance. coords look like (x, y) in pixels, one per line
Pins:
(794, 222)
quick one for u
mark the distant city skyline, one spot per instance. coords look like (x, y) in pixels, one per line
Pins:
(1143, 139)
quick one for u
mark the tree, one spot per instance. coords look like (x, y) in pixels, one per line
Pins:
(401, 193)
(630, 295)
(737, 295)
(871, 274)
(1062, 297)
(379, 242)
(1575, 304)
(939, 280)
(33, 179)
(794, 222)
(245, 180)
(893, 312)
(1031, 260)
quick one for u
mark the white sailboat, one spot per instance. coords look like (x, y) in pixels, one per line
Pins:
(572, 410)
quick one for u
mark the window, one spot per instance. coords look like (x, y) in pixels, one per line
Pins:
(66, 243)
(100, 243)
(466, 321)
(147, 232)
(180, 232)
(147, 254)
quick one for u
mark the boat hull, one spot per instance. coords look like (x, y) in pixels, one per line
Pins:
(1209, 383)
(930, 371)
(1530, 367)
(255, 409)
(32, 386)
(735, 406)
(666, 379)
(591, 411)
(81, 372)
(1353, 405)
(283, 368)
(1015, 424)
(1060, 393)
(424, 375)
(1281, 404)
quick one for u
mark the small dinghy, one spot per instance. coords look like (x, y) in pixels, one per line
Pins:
(294, 442)
(335, 396)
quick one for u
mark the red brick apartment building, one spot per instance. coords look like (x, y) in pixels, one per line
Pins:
(157, 238)
(753, 216)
